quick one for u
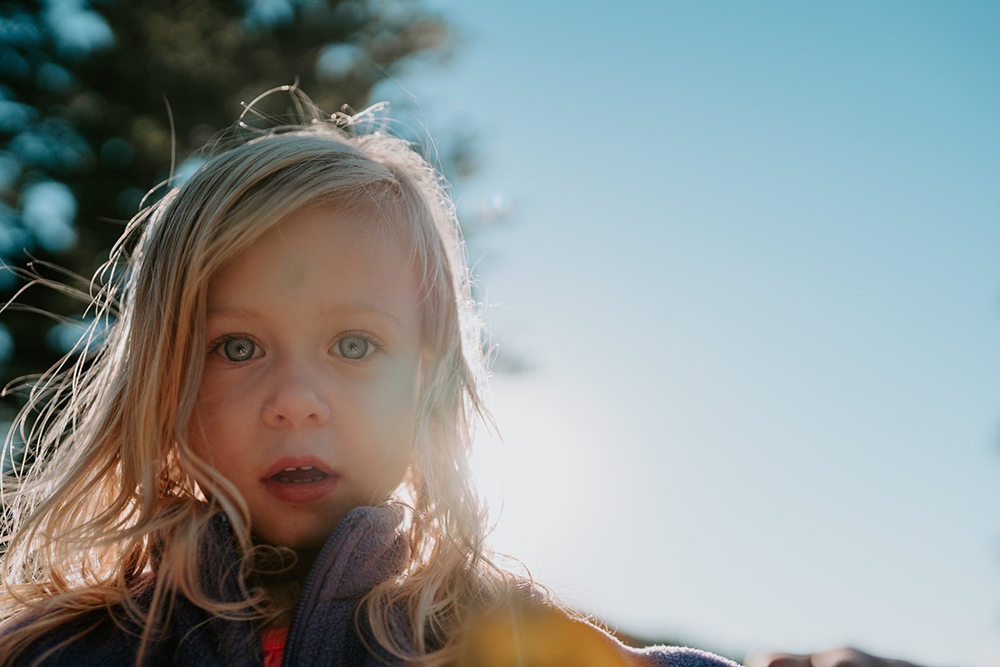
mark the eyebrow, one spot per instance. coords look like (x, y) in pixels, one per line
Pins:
(244, 313)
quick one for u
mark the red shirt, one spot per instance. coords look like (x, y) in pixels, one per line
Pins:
(274, 645)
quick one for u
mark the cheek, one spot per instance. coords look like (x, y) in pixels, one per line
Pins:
(390, 412)
(211, 415)
(199, 431)
(398, 392)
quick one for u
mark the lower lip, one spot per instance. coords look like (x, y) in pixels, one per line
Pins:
(301, 493)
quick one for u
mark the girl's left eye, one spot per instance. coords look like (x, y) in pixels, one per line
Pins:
(355, 347)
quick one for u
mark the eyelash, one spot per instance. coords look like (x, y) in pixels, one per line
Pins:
(219, 342)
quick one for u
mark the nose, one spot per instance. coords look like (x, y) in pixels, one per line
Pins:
(297, 399)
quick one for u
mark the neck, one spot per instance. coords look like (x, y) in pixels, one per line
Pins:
(304, 563)
(283, 588)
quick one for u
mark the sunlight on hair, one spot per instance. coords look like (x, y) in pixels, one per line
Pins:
(115, 483)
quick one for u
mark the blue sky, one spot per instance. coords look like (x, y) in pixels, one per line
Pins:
(751, 260)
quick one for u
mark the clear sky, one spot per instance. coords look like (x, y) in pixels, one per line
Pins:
(751, 261)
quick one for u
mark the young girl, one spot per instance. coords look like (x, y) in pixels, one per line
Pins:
(259, 454)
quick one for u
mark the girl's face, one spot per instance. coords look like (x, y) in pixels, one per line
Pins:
(308, 403)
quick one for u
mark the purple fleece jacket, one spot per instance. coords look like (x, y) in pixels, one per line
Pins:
(363, 550)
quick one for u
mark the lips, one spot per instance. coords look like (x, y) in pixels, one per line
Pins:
(299, 479)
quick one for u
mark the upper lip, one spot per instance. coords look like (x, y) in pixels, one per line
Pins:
(297, 462)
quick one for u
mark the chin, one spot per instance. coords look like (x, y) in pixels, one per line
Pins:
(296, 537)
(309, 542)
(294, 540)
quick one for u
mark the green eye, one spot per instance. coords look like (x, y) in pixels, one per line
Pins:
(354, 347)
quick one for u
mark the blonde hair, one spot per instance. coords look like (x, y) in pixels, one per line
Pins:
(114, 483)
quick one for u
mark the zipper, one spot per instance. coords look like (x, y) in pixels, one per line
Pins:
(310, 592)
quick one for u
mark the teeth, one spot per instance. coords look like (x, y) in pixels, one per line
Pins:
(307, 467)
(290, 468)
(319, 477)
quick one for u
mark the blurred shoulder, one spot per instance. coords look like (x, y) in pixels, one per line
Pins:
(678, 656)
(541, 632)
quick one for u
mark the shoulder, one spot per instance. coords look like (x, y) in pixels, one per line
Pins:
(93, 640)
(540, 632)
(678, 656)
(103, 638)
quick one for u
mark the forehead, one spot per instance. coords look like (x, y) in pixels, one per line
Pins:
(320, 257)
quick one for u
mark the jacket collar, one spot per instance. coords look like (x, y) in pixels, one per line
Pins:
(364, 549)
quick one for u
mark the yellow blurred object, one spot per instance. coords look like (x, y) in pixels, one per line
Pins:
(538, 636)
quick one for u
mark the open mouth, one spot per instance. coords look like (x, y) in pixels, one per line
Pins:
(299, 475)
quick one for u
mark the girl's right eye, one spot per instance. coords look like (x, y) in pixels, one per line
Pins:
(235, 348)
